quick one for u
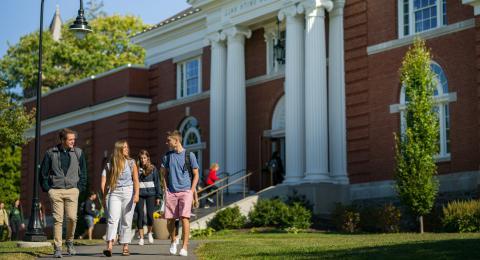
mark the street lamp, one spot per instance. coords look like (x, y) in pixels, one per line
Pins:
(35, 231)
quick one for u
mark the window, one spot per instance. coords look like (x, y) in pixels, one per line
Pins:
(192, 140)
(416, 16)
(189, 78)
(442, 98)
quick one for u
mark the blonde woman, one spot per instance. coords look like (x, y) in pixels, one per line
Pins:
(121, 189)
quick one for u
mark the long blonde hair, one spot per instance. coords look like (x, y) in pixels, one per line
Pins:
(117, 164)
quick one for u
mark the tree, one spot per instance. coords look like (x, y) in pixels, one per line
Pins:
(69, 60)
(10, 162)
(14, 120)
(415, 149)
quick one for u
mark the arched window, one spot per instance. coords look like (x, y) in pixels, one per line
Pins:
(441, 97)
(192, 140)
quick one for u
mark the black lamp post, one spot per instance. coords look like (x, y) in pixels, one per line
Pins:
(35, 231)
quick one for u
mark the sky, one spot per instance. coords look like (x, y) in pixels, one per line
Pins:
(20, 17)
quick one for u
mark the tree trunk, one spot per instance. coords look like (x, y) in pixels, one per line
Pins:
(420, 219)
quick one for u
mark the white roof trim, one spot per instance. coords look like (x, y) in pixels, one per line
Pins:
(93, 113)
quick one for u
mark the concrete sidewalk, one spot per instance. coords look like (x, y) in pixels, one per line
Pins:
(148, 251)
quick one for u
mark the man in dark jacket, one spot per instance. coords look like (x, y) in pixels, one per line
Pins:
(64, 176)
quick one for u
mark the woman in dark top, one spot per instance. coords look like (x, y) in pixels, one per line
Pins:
(16, 220)
(150, 193)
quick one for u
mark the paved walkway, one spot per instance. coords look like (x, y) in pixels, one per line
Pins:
(148, 251)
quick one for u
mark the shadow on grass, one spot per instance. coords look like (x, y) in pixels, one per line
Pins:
(445, 249)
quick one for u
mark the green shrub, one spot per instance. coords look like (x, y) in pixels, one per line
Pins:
(201, 233)
(385, 219)
(297, 198)
(275, 213)
(462, 216)
(346, 218)
(267, 213)
(228, 218)
(297, 217)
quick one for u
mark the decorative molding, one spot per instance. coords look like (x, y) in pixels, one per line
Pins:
(475, 4)
(265, 78)
(288, 11)
(214, 37)
(310, 5)
(235, 31)
(434, 33)
(188, 55)
(443, 99)
(93, 113)
(185, 100)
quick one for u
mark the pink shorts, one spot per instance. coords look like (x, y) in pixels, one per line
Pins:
(178, 204)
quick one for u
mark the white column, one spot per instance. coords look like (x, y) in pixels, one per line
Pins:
(316, 113)
(236, 137)
(336, 96)
(294, 96)
(217, 99)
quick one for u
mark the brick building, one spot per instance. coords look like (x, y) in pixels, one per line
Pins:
(317, 81)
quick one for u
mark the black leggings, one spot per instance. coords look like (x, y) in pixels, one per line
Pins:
(150, 201)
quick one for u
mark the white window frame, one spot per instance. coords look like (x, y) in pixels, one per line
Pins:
(183, 64)
(411, 18)
(198, 147)
(442, 101)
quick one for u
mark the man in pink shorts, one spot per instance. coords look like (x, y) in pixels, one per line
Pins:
(179, 188)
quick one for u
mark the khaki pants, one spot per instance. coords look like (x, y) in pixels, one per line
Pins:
(64, 201)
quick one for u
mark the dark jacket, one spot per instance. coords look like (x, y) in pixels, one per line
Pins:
(89, 208)
(150, 185)
(63, 169)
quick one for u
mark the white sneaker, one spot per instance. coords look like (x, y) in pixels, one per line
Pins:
(150, 238)
(183, 252)
(141, 242)
(173, 249)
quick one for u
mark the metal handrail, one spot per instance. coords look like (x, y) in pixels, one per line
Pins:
(219, 191)
(221, 180)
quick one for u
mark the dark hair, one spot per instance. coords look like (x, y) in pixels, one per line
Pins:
(62, 135)
(148, 168)
(90, 193)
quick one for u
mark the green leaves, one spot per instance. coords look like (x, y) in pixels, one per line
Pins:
(14, 120)
(415, 149)
(69, 60)
(10, 162)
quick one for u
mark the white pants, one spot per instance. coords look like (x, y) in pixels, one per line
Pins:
(120, 209)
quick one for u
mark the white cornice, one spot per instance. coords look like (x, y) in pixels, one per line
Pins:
(475, 4)
(181, 101)
(441, 31)
(73, 84)
(93, 113)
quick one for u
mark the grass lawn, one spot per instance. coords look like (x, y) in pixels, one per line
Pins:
(9, 250)
(235, 245)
